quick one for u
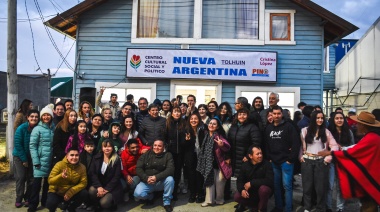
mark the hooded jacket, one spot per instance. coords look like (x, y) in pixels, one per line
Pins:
(282, 142)
(73, 184)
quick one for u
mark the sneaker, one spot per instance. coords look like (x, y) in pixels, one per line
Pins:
(168, 208)
(18, 204)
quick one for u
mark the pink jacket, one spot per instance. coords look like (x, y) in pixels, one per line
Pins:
(220, 152)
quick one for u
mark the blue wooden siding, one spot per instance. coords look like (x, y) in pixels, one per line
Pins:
(104, 36)
(329, 78)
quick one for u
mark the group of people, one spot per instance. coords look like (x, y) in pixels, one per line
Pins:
(96, 161)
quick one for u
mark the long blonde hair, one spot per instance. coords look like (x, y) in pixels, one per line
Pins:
(114, 155)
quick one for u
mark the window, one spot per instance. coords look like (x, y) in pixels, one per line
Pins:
(198, 22)
(289, 96)
(203, 90)
(279, 27)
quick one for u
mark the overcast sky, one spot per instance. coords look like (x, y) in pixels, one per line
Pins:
(362, 13)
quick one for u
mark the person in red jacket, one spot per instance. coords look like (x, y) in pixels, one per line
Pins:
(134, 149)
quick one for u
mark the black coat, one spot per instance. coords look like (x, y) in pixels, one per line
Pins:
(60, 139)
(240, 138)
(110, 181)
(176, 138)
(259, 174)
(152, 129)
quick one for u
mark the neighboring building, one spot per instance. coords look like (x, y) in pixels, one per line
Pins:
(30, 86)
(61, 87)
(358, 73)
(142, 47)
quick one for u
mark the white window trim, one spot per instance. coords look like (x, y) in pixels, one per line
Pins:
(267, 28)
(295, 90)
(151, 86)
(197, 30)
(218, 85)
(326, 69)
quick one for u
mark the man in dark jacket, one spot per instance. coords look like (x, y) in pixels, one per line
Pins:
(152, 127)
(143, 111)
(283, 145)
(155, 169)
(255, 181)
(59, 112)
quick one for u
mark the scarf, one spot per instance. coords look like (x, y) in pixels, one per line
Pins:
(358, 168)
(206, 159)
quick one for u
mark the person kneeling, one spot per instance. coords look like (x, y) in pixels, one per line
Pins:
(255, 182)
(67, 183)
(155, 169)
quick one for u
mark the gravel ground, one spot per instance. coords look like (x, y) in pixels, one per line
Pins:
(7, 197)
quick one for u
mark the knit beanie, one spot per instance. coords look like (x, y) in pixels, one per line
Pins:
(47, 109)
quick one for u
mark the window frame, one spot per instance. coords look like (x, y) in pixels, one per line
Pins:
(197, 35)
(268, 27)
(287, 15)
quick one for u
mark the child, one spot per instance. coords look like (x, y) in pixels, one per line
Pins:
(86, 159)
(113, 132)
(78, 139)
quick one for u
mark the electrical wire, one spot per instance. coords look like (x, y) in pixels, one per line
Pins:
(65, 58)
(117, 83)
(31, 30)
(51, 37)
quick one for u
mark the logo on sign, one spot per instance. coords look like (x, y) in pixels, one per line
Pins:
(260, 72)
(135, 61)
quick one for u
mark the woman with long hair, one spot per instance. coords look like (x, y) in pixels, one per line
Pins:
(64, 129)
(181, 145)
(211, 107)
(203, 112)
(211, 163)
(23, 168)
(85, 112)
(196, 128)
(106, 189)
(242, 134)
(128, 129)
(224, 113)
(314, 168)
(22, 112)
(166, 108)
(344, 137)
(40, 145)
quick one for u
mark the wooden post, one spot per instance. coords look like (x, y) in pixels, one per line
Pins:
(12, 80)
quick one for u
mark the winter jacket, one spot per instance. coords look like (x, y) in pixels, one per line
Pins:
(21, 142)
(140, 116)
(81, 140)
(152, 129)
(76, 178)
(86, 159)
(258, 175)
(129, 162)
(176, 139)
(241, 137)
(41, 145)
(59, 142)
(282, 142)
(220, 152)
(110, 181)
(117, 143)
(150, 164)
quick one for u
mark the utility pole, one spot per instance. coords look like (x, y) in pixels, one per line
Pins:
(12, 80)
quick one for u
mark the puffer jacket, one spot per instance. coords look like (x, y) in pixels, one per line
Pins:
(176, 138)
(59, 142)
(152, 129)
(21, 142)
(74, 183)
(240, 138)
(41, 145)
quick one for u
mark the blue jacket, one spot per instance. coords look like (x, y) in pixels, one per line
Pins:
(21, 142)
(41, 146)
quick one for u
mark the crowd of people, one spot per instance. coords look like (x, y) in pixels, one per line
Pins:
(82, 159)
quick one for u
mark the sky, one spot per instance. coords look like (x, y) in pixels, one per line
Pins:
(362, 13)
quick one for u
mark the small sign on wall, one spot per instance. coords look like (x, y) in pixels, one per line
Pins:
(202, 64)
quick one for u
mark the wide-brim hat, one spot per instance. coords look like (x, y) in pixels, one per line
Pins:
(366, 118)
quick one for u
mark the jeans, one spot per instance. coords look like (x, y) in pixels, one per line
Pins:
(330, 187)
(23, 175)
(258, 200)
(145, 191)
(126, 186)
(283, 177)
(35, 192)
(314, 174)
(53, 200)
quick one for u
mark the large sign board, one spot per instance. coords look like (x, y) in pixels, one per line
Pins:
(202, 64)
